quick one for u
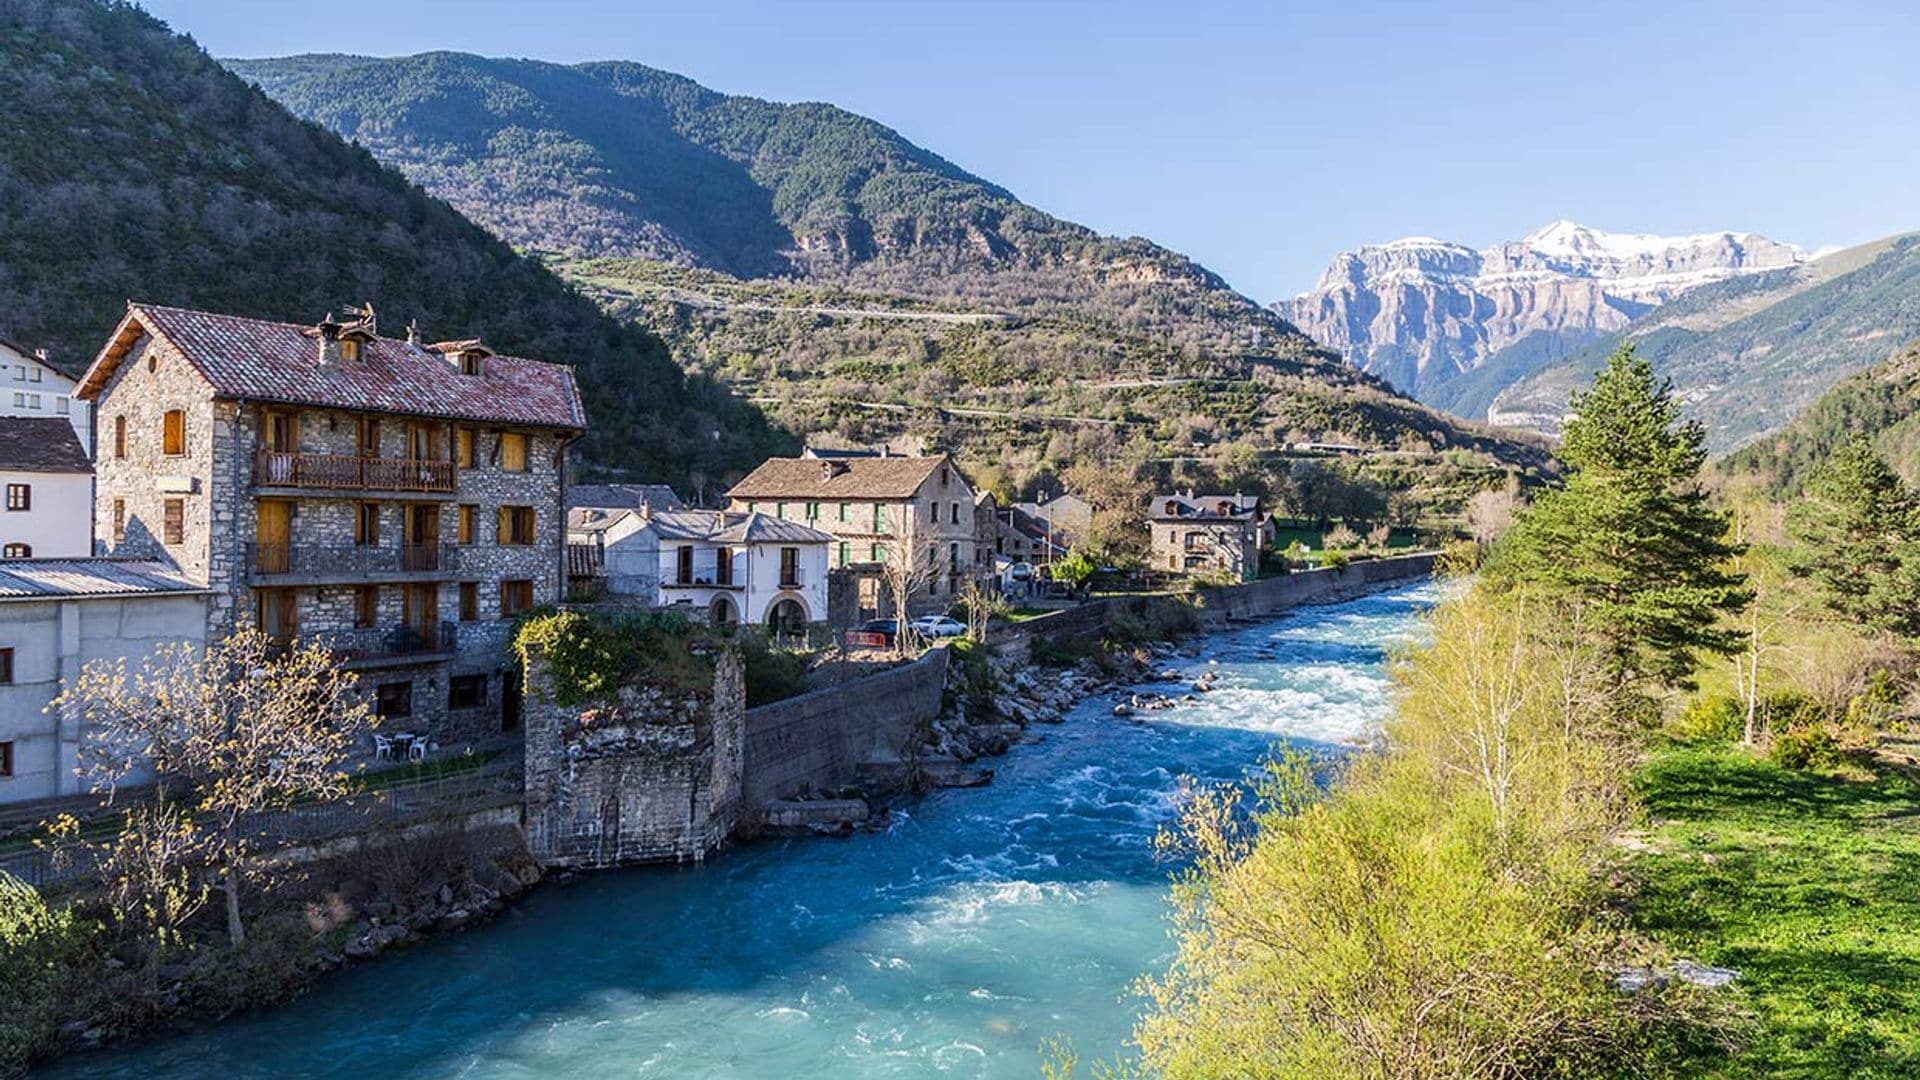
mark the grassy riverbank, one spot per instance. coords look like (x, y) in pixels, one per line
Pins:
(1808, 884)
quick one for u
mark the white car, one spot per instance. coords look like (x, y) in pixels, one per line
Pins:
(938, 626)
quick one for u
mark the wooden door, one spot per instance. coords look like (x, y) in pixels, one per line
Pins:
(423, 611)
(422, 551)
(283, 432)
(274, 612)
(273, 532)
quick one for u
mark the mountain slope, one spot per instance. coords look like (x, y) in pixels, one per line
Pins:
(853, 282)
(1881, 403)
(134, 166)
(1747, 354)
(1425, 314)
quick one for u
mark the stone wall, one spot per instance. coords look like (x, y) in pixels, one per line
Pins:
(865, 732)
(652, 777)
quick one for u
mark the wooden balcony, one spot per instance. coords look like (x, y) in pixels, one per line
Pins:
(345, 472)
(302, 563)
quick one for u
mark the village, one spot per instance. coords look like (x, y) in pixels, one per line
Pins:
(404, 503)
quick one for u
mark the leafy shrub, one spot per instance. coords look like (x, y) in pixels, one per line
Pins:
(1335, 560)
(1711, 718)
(1806, 746)
(37, 947)
(590, 657)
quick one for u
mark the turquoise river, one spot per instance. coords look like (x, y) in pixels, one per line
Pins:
(982, 922)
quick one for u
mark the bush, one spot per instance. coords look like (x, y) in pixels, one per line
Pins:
(1713, 718)
(1807, 746)
(590, 657)
(771, 674)
(38, 947)
(1335, 560)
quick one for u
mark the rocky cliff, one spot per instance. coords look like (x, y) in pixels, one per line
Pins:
(1421, 312)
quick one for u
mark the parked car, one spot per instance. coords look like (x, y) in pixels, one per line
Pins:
(873, 634)
(938, 626)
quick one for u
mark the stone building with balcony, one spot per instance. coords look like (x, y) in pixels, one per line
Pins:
(399, 501)
(914, 513)
(1220, 535)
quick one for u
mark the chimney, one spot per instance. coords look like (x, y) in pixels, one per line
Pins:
(413, 331)
(329, 334)
(40, 354)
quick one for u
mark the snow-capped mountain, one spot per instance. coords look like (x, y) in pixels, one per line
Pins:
(1420, 312)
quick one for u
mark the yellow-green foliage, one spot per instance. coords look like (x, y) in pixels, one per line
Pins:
(590, 657)
(1438, 915)
(36, 945)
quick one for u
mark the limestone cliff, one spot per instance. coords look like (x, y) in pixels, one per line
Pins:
(1421, 312)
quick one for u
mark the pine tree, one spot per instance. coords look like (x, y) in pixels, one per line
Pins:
(1629, 549)
(1858, 535)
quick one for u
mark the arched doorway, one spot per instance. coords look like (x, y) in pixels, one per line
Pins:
(722, 613)
(787, 618)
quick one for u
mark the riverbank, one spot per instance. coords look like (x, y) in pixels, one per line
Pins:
(976, 925)
(1807, 883)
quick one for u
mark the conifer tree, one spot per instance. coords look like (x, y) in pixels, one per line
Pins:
(1858, 535)
(1630, 548)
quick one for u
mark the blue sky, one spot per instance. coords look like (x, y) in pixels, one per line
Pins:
(1262, 138)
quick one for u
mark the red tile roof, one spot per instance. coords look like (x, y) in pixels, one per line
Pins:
(837, 478)
(280, 362)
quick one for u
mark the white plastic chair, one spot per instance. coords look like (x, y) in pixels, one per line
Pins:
(417, 750)
(382, 748)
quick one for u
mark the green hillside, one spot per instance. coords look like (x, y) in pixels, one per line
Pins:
(1881, 403)
(134, 166)
(1749, 353)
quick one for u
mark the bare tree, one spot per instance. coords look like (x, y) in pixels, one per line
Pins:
(907, 571)
(151, 873)
(981, 605)
(239, 728)
(1490, 513)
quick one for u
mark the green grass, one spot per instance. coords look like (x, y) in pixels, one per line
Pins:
(1808, 884)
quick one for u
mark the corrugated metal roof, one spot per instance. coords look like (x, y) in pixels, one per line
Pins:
(724, 527)
(36, 579)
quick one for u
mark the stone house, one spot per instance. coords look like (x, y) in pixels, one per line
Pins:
(1067, 518)
(1208, 534)
(56, 616)
(401, 502)
(46, 490)
(31, 386)
(726, 567)
(917, 513)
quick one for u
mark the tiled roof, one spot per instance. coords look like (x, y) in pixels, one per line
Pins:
(280, 362)
(41, 445)
(1178, 506)
(34, 579)
(624, 496)
(842, 478)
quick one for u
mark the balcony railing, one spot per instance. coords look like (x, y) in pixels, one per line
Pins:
(274, 468)
(272, 559)
(393, 642)
(792, 579)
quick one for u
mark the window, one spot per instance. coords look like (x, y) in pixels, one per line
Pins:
(813, 511)
(469, 601)
(19, 496)
(722, 566)
(174, 521)
(515, 597)
(879, 517)
(780, 511)
(463, 528)
(515, 525)
(470, 363)
(879, 553)
(846, 553)
(953, 558)
(513, 451)
(683, 564)
(844, 509)
(463, 447)
(6, 758)
(6, 666)
(61, 406)
(17, 551)
(394, 700)
(120, 437)
(789, 568)
(349, 348)
(366, 606)
(366, 524)
(943, 476)
(466, 691)
(19, 400)
(956, 513)
(33, 374)
(173, 433)
(119, 520)
(369, 436)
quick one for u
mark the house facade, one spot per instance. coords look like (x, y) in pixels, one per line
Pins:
(397, 501)
(1065, 517)
(725, 567)
(30, 386)
(1208, 534)
(58, 615)
(915, 514)
(46, 490)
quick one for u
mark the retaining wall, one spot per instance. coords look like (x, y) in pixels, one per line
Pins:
(826, 739)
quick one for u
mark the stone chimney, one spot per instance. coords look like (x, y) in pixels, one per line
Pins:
(328, 331)
(413, 331)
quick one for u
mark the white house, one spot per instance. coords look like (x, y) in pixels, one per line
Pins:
(728, 567)
(29, 386)
(46, 490)
(56, 615)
